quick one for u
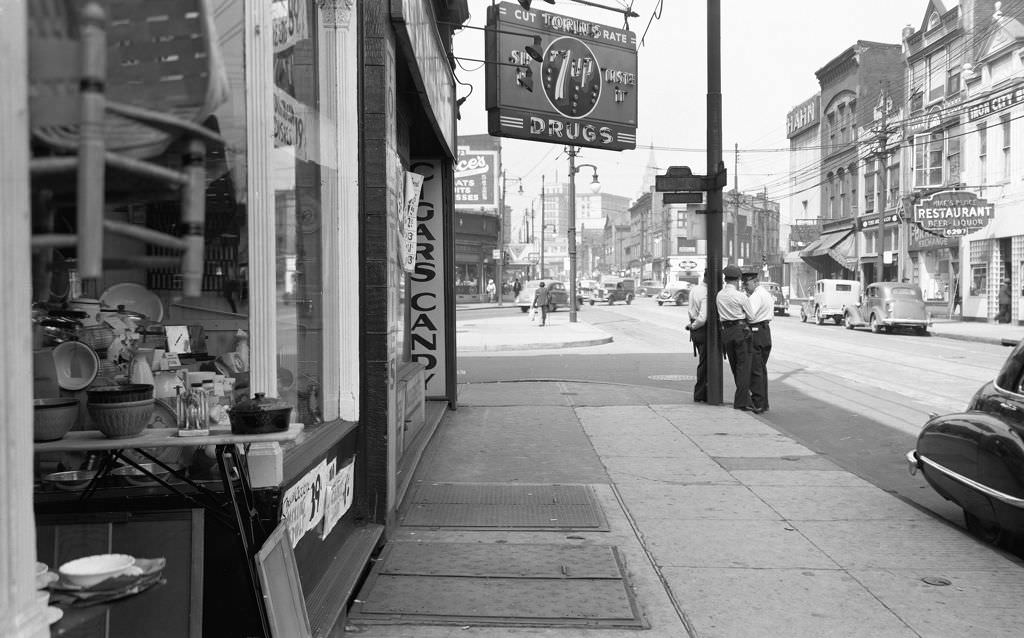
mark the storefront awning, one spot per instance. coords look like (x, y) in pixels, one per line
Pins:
(831, 252)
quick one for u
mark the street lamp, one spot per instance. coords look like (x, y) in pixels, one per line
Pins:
(571, 231)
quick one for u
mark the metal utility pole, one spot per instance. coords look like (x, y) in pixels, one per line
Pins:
(571, 234)
(736, 204)
(714, 206)
(499, 283)
(543, 199)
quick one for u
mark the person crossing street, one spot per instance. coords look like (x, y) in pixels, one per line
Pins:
(540, 302)
(735, 314)
(763, 306)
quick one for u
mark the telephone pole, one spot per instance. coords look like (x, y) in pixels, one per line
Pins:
(736, 204)
(883, 136)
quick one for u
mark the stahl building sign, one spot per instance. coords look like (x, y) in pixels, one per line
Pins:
(953, 213)
(582, 92)
(477, 173)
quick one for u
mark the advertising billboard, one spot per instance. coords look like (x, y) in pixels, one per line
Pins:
(477, 171)
(559, 79)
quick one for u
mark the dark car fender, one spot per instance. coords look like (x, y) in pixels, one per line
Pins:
(976, 460)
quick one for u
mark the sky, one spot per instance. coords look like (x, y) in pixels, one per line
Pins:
(770, 52)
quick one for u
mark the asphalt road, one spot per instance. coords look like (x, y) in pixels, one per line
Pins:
(857, 397)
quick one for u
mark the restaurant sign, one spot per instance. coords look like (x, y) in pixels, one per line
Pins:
(953, 213)
(558, 79)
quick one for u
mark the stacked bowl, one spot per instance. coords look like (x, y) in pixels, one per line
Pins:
(120, 411)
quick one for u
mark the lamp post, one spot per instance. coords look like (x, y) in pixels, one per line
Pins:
(571, 231)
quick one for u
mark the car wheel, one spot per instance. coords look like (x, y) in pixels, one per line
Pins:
(553, 307)
(921, 330)
(838, 320)
(591, 302)
(986, 531)
(818, 319)
(875, 326)
(629, 300)
(679, 301)
(524, 309)
(803, 316)
(660, 303)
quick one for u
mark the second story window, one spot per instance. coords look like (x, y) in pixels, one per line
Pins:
(982, 154)
(928, 153)
(1004, 123)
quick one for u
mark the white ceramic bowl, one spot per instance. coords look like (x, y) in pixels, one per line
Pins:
(90, 570)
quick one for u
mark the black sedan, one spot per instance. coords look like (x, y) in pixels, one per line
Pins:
(975, 458)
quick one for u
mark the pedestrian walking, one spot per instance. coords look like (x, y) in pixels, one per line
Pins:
(763, 306)
(698, 311)
(1004, 302)
(734, 314)
(517, 286)
(540, 302)
(492, 291)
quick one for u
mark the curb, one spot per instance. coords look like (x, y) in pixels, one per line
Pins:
(550, 345)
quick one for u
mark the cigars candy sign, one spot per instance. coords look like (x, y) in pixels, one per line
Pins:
(953, 213)
(558, 79)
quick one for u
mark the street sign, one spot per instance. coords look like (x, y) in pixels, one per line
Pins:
(681, 178)
(496, 253)
(683, 198)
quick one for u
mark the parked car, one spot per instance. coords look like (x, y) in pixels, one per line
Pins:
(677, 293)
(780, 299)
(889, 305)
(558, 295)
(649, 288)
(975, 458)
(829, 300)
(613, 289)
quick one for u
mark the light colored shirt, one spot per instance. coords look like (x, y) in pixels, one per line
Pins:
(763, 305)
(698, 306)
(733, 304)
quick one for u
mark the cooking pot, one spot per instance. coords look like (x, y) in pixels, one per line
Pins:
(259, 415)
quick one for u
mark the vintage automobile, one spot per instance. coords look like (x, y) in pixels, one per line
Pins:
(887, 306)
(613, 289)
(829, 300)
(558, 295)
(975, 458)
(780, 299)
(649, 288)
(677, 292)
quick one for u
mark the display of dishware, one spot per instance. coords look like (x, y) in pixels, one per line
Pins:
(53, 418)
(136, 298)
(91, 570)
(76, 365)
(145, 476)
(120, 420)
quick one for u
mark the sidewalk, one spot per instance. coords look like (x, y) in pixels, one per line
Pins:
(724, 527)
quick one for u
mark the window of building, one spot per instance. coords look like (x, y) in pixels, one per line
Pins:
(1004, 122)
(869, 188)
(844, 201)
(680, 219)
(953, 80)
(928, 154)
(953, 155)
(892, 185)
(933, 20)
(982, 153)
(853, 190)
(980, 252)
(937, 75)
(1000, 68)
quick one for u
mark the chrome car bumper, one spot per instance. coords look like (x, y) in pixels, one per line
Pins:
(889, 321)
(915, 463)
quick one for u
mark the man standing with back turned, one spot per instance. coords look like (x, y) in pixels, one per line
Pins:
(698, 311)
(735, 313)
(763, 305)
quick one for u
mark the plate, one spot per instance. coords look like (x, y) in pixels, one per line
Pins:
(53, 614)
(76, 365)
(136, 298)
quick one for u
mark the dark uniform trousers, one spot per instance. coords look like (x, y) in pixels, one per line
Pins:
(699, 337)
(736, 346)
(760, 349)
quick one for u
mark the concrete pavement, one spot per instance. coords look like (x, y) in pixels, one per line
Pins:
(727, 528)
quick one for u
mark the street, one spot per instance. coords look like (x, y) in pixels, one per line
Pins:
(858, 398)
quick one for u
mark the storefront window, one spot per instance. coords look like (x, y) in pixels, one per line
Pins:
(979, 280)
(297, 181)
(193, 73)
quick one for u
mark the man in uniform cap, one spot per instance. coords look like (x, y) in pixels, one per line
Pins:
(763, 305)
(734, 313)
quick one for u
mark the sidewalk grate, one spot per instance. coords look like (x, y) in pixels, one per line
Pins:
(498, 584)
(494, 505)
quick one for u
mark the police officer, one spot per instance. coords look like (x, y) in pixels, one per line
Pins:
(763, 305)
(735, 313)
(697, 308)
